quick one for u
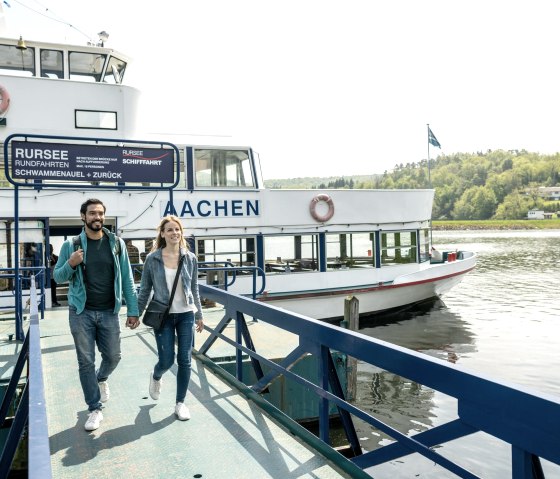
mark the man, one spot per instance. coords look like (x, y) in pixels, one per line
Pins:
(98, 271)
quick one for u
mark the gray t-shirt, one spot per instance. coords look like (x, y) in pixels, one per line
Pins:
(100, 275)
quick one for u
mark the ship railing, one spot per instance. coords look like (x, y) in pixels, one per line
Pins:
(528, 421)
(231, 271)
(25, 395)
(15, 294)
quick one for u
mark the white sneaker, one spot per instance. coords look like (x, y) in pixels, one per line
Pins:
(182, 412)
(104, 390)
(155, 387)
(94, 420)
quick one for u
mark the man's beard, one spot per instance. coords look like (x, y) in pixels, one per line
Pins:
(95, 225)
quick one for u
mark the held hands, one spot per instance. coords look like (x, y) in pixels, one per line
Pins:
(132, 322)
(76, 257)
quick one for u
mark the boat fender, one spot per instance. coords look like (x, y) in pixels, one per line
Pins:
(313, 208)
(4, 100)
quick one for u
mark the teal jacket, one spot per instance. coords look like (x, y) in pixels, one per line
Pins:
(124, 282)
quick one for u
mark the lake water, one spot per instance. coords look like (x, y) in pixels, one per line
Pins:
(502, 321)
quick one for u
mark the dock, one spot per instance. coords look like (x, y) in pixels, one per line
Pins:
(235, 431)
(228, 435)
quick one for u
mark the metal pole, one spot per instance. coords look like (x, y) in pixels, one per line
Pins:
(429, 176)
(17, 299)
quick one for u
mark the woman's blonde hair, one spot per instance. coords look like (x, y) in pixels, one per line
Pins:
(160, 242)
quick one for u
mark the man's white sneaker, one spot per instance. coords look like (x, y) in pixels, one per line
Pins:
(182, 412)
(155, 387)
(104, 390)
(94, 420)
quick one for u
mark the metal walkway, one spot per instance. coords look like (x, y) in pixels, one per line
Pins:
(227, 437)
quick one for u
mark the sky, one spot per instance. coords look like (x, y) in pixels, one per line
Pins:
(325, 88)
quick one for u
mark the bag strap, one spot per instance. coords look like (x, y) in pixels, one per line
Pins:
(175, 283)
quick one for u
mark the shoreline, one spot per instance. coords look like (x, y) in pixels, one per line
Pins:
(451, 225)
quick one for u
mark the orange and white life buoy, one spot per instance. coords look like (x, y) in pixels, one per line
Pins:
(4, 100)
(313, 208)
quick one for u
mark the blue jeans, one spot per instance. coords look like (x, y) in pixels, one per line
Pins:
(92, 328)
(183, 325)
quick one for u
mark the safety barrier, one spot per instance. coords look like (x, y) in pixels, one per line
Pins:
(528, 421)
(29, 403)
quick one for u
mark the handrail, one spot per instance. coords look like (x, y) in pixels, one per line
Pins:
(17, 291)
(31, 409)
(230, 267)
(527, 420)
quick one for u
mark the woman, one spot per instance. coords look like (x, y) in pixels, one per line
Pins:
(159, 273)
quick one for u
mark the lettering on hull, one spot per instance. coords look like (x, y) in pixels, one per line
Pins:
(213, 209)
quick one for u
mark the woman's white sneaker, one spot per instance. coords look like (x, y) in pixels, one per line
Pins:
(182, 412)
(94, 420)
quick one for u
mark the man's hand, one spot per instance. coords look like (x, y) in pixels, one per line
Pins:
(76, 257)
(132, 322)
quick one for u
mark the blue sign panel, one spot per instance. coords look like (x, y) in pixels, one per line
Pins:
(72, 162)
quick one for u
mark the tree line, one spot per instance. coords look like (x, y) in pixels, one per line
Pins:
(497, 184)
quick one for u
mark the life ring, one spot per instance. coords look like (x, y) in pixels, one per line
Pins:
(313, 208)
(4, 100)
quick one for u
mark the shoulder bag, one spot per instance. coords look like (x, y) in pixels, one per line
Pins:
(156, 312)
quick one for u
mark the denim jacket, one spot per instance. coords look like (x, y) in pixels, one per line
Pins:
(124, 283)
(153, 277)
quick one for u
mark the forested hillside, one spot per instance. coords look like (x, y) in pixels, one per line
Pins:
(496, 184)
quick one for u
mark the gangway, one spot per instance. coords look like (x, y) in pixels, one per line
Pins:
(232, 421)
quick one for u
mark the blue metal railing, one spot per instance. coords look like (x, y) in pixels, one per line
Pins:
(31, 407)
(230, 269)
(528, 421)
(19, 276)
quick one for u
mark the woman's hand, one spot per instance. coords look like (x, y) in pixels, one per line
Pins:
(199, 325)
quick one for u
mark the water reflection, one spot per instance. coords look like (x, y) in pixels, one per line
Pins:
(406, 405)
(500, 321)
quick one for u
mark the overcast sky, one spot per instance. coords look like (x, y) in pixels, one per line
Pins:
(323, 88)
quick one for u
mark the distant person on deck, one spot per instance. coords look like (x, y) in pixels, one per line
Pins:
(95, 296)
(159, 273)
(52, 263)
(134, 257)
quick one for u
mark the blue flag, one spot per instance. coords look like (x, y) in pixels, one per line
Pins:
(432, 138)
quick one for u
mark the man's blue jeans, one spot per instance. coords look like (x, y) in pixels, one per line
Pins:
(91, 328)
(183, 324)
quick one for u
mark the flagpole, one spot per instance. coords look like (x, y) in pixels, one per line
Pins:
(429, 175)
(429, 186)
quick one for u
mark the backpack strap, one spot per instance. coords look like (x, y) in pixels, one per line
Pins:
(77, 244)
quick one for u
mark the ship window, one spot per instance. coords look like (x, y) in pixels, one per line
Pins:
(52, 65)
(99, 120)
(223, 168)
(86, 66)
(424, 245)
(17, 62)
(398, 247)
(115, 71)
(350, 250)
(291, 254)
(221, 252)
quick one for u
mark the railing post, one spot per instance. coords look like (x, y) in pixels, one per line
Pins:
(352, 322)
(324, 427)
(525, 465)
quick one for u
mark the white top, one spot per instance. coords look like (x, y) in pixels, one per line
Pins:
(179, 304)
